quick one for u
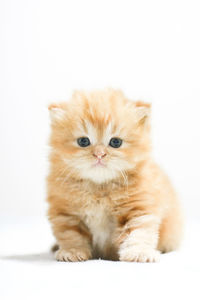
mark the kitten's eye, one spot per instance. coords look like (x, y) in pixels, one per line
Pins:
(83, 141)
(115, 142)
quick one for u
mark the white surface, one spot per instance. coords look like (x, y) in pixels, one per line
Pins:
(29, 271)
(149, 49)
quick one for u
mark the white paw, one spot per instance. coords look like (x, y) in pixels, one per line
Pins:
(139, 255)
(72, 255)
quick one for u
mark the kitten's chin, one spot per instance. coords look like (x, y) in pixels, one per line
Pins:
(99, 174)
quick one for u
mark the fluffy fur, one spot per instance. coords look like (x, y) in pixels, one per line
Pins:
(123, 208)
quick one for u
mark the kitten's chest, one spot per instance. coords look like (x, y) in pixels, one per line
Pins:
(100, 210)
(101, 222)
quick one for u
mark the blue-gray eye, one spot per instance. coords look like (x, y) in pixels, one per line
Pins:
(83, 141)
(115, 142)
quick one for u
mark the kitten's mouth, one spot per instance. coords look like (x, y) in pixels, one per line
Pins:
(99, 163)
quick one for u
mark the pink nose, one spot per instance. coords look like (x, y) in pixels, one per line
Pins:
(99, 153)
(99, 156)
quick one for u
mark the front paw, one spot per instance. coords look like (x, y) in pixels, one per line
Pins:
(139, 255)
(72, 254)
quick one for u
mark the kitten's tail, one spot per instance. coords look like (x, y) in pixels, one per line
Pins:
(54, 248)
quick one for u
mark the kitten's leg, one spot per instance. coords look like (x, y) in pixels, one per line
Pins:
(171, 231)
(138, 239)
(73, 238)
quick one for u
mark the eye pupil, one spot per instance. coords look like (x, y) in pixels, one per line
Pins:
(115, 142)
(83, 141)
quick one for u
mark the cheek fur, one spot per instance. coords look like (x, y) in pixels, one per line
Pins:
(82, 162)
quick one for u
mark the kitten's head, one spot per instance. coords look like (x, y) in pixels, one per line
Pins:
(100, 135)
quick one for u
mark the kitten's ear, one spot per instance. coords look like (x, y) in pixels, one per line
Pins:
(57, 111)
(143, 112)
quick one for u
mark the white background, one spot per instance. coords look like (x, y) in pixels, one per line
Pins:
(149, 49)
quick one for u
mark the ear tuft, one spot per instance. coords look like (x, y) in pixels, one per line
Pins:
(57, 111)
(142, 104)
(143, 111)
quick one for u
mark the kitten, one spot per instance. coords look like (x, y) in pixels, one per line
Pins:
(107, 198)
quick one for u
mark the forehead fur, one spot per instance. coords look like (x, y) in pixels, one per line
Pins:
(105, 110)
(101, 108)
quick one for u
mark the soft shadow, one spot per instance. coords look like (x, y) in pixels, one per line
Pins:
(38, 257)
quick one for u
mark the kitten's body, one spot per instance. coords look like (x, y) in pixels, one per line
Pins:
(125, 209)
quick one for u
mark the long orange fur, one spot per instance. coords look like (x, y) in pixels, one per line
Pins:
(124, 210)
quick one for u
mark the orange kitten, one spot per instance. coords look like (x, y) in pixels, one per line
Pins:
(107, 198)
